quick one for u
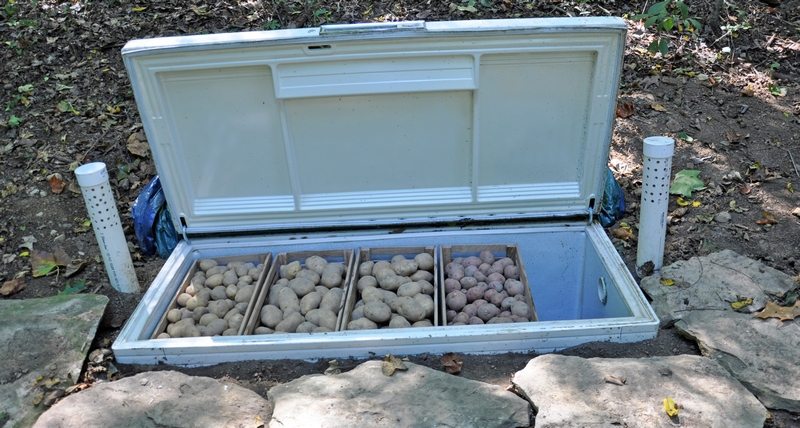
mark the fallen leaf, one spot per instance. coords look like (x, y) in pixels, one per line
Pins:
(658, 107)
(333, 368)
(616, 380)
(12, 287)
(741, 303)
(682, 202)
(625, 109)
(686, 181)
(796, 212)
(452, 363)
(42, 263)
(137, 144)
(696, 204)
(392, 364)
(748, 91)
(73, 267)
(783, 313)
(74, 287)
(57, 183)
(670, 407)
(745, 189)
(139, 8)
(622, 233)
(766, 218)
(667, 282)
(27, 242)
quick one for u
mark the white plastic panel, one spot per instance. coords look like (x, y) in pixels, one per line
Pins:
(292, 130)
(563, 264)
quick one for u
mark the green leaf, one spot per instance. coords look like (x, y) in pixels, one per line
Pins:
(42, 263)
(74, 287)
(777, 90)
(65, 106)
(695, 23)
(686, 181)
(14, 121)
(650, 21)
(25, 89)
(658, 8)
(663, 46)
(668, 23)
(683, 9)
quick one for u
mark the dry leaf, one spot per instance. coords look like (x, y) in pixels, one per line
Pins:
(452, 363)
(12, 287)
(741, 303)
(670, 407)
(392, 364)
(667, 282)
(57, 183)
(658, 107)
(137, 144)
(622, 233)
(766, 218)
(748, 91)
(616, 380)
(783, 313)
(625, 109)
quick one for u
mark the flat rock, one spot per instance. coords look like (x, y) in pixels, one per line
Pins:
(420, 396)
(573, 392)
(43, 344)
(159, 399)
(762, 354)
(711, 283)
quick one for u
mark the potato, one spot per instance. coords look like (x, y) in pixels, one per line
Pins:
(215, 327)
(230, 291)
(216, 270)
(486, 256)
(301, 286)
(377, 311)
(309, 275)
(230, 332)
(186, 331)
(479, 302)
(520, 309)
(254, 273)
(393, 282)
(470, 270)
(410, 309)
(316, 264)
(498, 298)
(497, 285)
(190, 290)
(323, 318)
(388, 296)
(331, 276)
(461, 317)
(198, 313)
(357, 313)
(186, 313)
(235, 321)
(507, 302)
(379, 266)
(332, 301)
(404, 267)
(183, 298)
(500, 320)
(426, 302)
(480, 277)
(220, 307)
(470, 309)
(288, 299)
(207, 318)
(450, 315)
(290, 323)
(422, 323)
(273, 294)
(242, 307)
(475, 320)
(310, 301)
(321, 289)
(245, 293)
(230, 313)
(229, 277)
(365, 268)
(321, 330)
(282, 281)
(409, 289)
(422, 275)
(513, 287)
(306, 327)
(506, 314)
(489, 293)
(451, 284)
(219, 293)
(288, 271)
(174, 315)
(206, 264)
(468, 282)
(263, 330)
(242, 269)
(214, 280)
(517, 318)
(426, 287)
(511, 271)
(456, 300)
(484, 268)
(366, 281)
(487, 312)
(398, 321)
(361, 324)
(475, 293)
(164, 335)
(424, 261)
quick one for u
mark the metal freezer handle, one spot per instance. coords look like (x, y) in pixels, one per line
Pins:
(372, 27)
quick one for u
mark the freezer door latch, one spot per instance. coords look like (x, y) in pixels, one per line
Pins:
(591, 210)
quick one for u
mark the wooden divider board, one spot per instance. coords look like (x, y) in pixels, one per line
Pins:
(253, 314)
(499, 250)
(376, 254)
(262, 259)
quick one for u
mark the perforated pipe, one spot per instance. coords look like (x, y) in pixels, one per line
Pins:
(93, 179)
(656, 175)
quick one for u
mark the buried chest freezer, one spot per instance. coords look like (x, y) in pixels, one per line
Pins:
(349, 138)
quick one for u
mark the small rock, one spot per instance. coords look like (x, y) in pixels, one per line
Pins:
(796, 212)
(52, 396)
(673, 125)
(723, 217)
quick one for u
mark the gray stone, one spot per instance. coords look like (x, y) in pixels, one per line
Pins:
(573, 392)
(159, 399)
(711, 283)
(723, 217)
(762, 354)
(417, 397)
(43, 344)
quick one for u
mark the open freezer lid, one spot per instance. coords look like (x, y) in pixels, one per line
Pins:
(380, 124)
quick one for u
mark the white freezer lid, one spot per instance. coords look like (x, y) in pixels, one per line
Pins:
(380, 124)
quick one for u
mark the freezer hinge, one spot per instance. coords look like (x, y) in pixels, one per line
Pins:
(184, 234)
(591, 210)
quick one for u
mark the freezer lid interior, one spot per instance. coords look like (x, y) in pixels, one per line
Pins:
(380, 124)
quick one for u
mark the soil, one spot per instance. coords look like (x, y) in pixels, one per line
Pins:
(730, 97)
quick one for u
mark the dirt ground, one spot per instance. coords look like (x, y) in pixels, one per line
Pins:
(730, 97)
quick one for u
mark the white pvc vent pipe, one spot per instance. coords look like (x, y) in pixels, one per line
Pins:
(93, 179)
(658, 153)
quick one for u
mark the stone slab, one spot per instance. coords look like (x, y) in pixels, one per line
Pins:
(764, 355)
(159, 399)
(421, 397)
(572, 392)
(43, 344)
(712, 282)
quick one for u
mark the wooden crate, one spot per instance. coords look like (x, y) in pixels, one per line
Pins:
(264, 259)
(253, 315)
(376, 254)
(499, 250)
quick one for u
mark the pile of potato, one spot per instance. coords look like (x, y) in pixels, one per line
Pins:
(484, 290)
(215, 301)
(306, 299)
(394, 294)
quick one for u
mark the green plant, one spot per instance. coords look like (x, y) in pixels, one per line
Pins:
(668, 16)
(14, 121)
